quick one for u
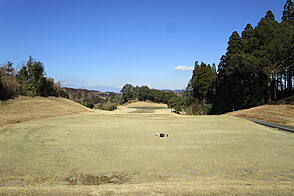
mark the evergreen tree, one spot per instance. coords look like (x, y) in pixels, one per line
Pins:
(227, 87)
(248, 32)
(234, 44)
(202, 82)
(288, 13)
(266, 33)
(287, 54)
(32, 78)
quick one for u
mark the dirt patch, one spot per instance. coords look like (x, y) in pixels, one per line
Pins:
(77, 179)
(179, 188)
(90, 179)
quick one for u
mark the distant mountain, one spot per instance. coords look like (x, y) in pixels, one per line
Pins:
(174, 90)
(86, 91)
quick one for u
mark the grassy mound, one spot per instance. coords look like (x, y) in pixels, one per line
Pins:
(28, 108)
(281, 112)
(146, 104)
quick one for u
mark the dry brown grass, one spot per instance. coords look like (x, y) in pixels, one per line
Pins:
(29, 108)
(143, 107)
(146, 104)
(283, 114)
(203, 155)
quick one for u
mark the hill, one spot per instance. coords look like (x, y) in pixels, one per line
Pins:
(74, 92)
(91, 98)
(281, 112)
(145, 104)
(28, 108)
(143, 107)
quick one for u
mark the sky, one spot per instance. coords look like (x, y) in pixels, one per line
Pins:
(104, 44)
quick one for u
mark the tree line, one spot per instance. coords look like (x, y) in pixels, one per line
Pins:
(258, 67)
(29, 80)
(172, 99)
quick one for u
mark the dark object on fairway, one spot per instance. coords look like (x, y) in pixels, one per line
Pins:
(163, 135)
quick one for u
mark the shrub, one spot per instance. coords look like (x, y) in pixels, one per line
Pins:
(87, 104)
(198, 109)
(106, 106)
(109, 107)
(206, 108)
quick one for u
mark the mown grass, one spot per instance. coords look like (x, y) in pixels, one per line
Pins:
(219, 150)
(146, 109)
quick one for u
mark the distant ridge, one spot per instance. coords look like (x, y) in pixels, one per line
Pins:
(90, 98)
(174, 90)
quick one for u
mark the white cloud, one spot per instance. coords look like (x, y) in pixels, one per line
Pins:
(184, 68)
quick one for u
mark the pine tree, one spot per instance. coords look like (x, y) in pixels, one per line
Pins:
(32, 78)
(288, 53)
(234, 44)
(267, 33)
(203, 82)
(248, 32)
(288, 13)
(228, 74)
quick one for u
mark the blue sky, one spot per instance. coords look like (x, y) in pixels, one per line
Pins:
(104, 44)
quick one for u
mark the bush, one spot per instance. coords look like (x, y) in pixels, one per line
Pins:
(177, 103)
(8, 87)
(87, 104)
(110, 107)
(107, 106)
(199, 109)
(206, 108)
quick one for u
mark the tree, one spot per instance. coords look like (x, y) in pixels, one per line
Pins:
(144, 93)
(268, 32)
(127, 92)
(202, 82)
(177, 103)
(234, 44)
(288, 52)
(8, 85)
(288, 13)
(227, 82)
(32, 78)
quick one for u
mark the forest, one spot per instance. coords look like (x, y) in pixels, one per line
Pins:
(258, 66)
(257, 69)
